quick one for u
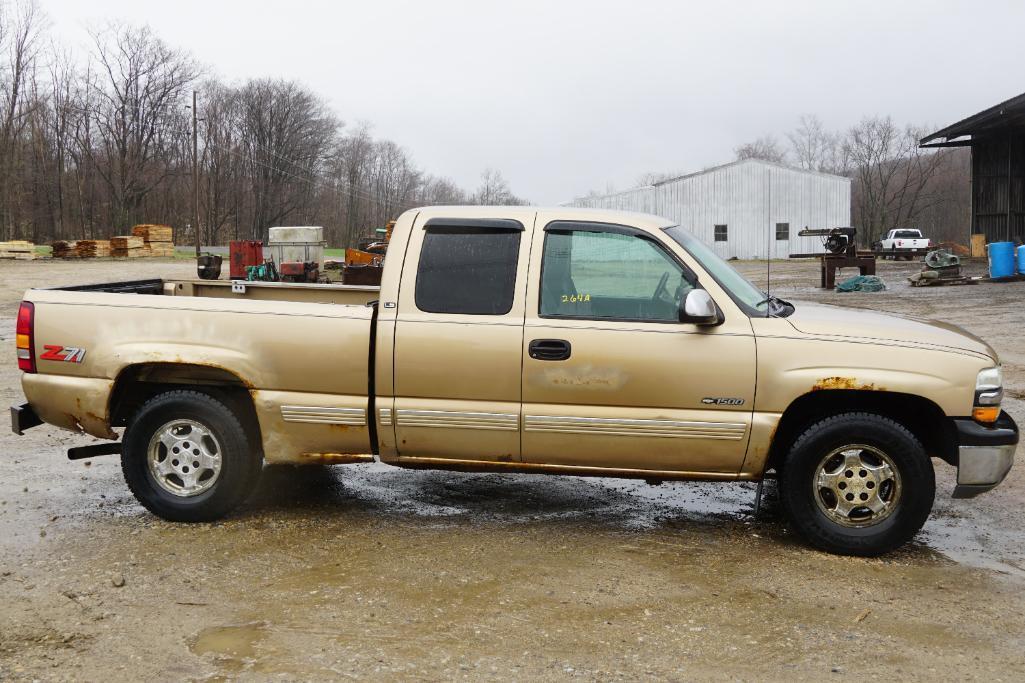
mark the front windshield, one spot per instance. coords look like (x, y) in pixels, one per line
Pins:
(740, 289)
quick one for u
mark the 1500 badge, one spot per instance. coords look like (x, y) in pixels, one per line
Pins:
(715, 401)
(63, 354)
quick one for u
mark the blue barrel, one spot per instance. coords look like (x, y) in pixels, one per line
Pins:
(1021, 260)
(1001, 259)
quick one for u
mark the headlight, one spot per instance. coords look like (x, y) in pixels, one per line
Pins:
(989, 391)
(989, 387)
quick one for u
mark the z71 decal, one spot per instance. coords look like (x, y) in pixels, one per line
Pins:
(63, 354)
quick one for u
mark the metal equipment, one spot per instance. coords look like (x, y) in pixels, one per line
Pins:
(242, 254)
(841, 252)
(208, 266)
(265, 272)
(941, 268)
(299, 271)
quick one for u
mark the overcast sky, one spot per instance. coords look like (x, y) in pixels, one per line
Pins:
(564, 97)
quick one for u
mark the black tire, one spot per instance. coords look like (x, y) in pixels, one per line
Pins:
(911, 508)
(239, 469)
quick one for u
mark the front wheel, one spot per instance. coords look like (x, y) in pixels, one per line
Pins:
(186, 457)
(857, 484)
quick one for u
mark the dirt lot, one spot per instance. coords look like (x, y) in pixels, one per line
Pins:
(346, 572)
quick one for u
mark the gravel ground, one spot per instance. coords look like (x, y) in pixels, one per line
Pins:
(374, 572)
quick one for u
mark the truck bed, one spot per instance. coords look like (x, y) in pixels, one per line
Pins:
(300, 351)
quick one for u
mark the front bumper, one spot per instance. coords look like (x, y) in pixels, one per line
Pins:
(23, 417)
(985, 454)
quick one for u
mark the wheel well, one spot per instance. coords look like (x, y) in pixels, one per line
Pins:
(136, 384)
(921, 416)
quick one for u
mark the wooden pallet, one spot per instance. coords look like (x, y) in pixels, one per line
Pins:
(945, 281)
(64, 249)
(154, 233)
(138, 252)
(92, 248)
(159, 249)
(18, 249)
(125, 242)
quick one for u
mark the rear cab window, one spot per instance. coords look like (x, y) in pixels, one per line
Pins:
(468, 267)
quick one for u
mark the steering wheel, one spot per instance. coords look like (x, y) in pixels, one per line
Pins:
(661, 289)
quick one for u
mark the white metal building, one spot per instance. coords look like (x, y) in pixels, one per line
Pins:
(744, 209)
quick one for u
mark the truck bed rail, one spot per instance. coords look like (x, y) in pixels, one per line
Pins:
(151, 286)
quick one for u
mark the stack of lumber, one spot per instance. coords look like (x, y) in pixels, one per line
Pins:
(92, 248)
(127, 246)
(18, 249)
(64, 249)
(157, 240)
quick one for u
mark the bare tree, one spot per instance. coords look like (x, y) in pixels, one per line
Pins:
(435, 190)
(140, 95)
(766, 148)
(655, 177)
(815, 148)
(21, 26)
(286, 133)
(891, 175)
(494, 190)
(352, 165)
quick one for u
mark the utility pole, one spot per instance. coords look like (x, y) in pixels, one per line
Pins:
(195, 172)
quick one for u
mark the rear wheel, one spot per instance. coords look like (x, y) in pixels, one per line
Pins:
(186, 457)
(857, 484)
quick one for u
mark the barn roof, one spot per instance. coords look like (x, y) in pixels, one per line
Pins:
(761, 162)
(1007, 114)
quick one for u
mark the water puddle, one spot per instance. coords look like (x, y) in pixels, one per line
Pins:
(446, 498)
(234, 647)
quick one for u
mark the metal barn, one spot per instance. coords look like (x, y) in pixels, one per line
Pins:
(997, 139)
(745, 209)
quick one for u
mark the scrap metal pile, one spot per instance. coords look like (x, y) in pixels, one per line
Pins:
(941, 268)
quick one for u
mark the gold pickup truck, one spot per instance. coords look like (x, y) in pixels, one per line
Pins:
(513, 339)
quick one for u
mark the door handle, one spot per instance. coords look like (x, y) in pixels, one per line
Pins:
(549, 349)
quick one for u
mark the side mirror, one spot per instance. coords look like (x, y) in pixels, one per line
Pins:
(697, 308)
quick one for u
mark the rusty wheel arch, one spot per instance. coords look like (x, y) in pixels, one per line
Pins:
(922, 417)
(137, 383)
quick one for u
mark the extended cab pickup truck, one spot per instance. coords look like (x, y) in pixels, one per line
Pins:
(559, 341)
(902, 243)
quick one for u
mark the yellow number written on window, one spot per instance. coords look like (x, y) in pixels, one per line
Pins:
(575, 298)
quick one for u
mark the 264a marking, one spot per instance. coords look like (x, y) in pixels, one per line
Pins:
(63, 354)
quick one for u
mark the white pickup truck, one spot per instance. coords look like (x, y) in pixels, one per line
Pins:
(902, 243)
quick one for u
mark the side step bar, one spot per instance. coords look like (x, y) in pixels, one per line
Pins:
(83, 452)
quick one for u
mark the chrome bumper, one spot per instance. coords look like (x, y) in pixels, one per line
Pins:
(985, 455)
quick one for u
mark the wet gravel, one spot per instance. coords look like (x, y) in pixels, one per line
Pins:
(372, 572)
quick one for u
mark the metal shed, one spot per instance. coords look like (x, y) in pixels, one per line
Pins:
(745, 209)
(997, 139)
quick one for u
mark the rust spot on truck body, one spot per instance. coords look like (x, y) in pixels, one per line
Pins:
(335, 458)
(844, 383)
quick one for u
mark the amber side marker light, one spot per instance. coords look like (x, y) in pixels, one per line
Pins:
(988, 414)
(23, 337)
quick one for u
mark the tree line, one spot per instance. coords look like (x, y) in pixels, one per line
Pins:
(894, 182)
(93, 144)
